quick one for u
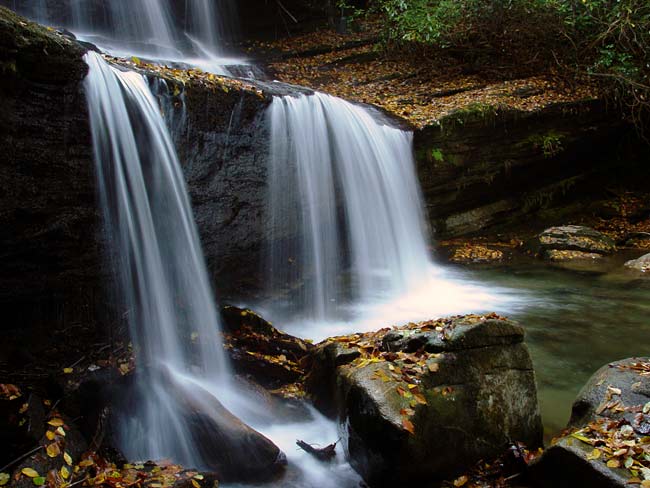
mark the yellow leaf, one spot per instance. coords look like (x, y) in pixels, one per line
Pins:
(65, 473)
(136, 60)
(420, 398)
(24, 408)
(198, 477)
(433, 367)
(67, 370)
(50, 435)
(32, 473)
(53, 450)
(462, 481)
(86, 462)
(56, 422)
(60, 431)
(4, 479)
(196, 484)
(67, 458)
(613, 463)
(595, 454)
(582, 438)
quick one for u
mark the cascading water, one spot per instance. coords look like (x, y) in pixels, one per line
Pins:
(162, 275)
(170, 309)
(147, 28)
(341, 153)
(346, 224)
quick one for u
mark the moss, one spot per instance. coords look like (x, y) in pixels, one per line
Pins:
(474, 112)
(550, 143)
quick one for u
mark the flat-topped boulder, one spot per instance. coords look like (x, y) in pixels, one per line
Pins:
(424, 401)
(569, 242)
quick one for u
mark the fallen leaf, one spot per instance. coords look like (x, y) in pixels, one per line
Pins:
(38, 481)
(67, 458)
(65, 472)
(462, 481)
(595, 454)
(67, 370)
(53, 450)
(408, 426)
(4, 478)
(30, 472)
(56, 422)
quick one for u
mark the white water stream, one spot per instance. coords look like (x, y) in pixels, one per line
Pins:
(349, 246)
(165, 289)
(147, 28)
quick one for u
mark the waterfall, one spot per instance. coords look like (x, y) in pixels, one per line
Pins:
(348, 246)
(162, 274)
(191, 33)
(345, 184)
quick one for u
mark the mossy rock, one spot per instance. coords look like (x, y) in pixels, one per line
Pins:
(425, 401)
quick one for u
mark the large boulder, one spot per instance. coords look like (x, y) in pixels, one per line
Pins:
(423, 401)
(226, 446)
(640, 264)
(608, 444)
(572, 242)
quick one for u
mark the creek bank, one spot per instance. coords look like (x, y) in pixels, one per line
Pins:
(425, 401)
(608, 443)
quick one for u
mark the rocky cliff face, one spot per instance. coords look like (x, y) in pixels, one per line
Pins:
(47, 204)
(52, 267)
(483, 166)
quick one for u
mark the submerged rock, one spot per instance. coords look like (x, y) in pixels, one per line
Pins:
(225, 445)
(608, 443)
(641, 264)
(424, 401)
(572, 242)
(559, 256)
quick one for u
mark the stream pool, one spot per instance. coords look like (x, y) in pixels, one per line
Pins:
(576, 321)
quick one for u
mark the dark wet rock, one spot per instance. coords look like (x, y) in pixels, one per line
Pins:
(227, 446)
(485, 167)
(612, 406)
(423, 402)
(259, 351)
(638, 239)
(571, 242)
(60, 437)
(53, 269)
(640, 264)
(22, 422)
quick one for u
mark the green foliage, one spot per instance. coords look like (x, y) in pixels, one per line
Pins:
(550, 143)
(437, 156)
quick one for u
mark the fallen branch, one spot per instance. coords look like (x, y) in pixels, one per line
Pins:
(321, 453)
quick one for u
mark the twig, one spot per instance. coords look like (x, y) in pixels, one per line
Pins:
(322, 454)
(20, 458)
(286, 11)
(77, 362)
